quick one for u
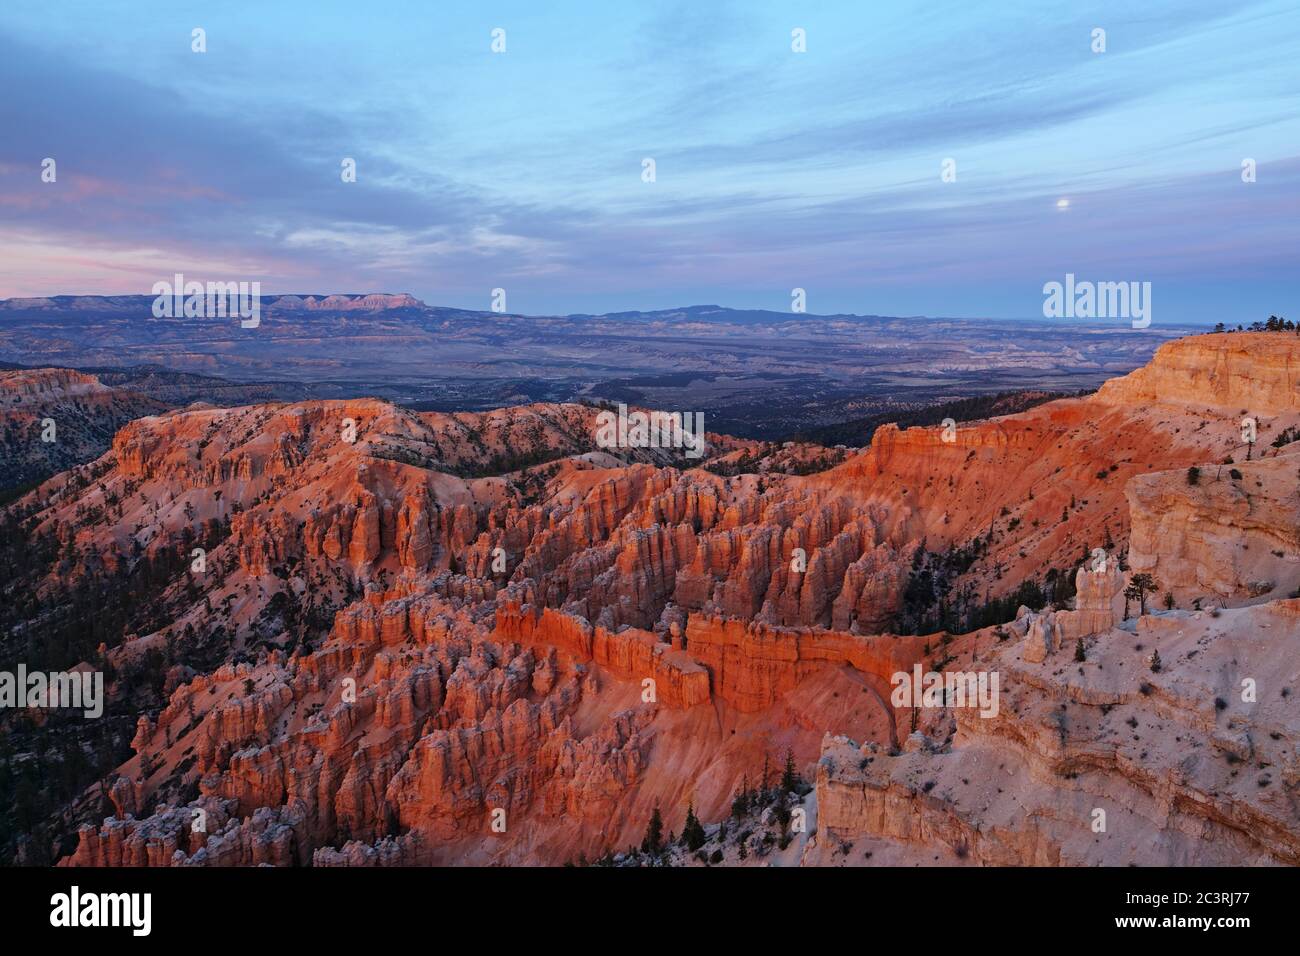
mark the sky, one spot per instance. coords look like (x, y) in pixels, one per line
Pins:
(773, 169)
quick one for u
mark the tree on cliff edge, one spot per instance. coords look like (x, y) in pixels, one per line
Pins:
(1143, 584)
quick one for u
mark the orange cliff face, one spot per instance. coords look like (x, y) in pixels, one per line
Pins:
(425, 635)
(1248, 374)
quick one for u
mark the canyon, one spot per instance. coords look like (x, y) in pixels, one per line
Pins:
(398, 637)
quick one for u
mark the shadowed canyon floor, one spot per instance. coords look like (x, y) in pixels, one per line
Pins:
(360, 634)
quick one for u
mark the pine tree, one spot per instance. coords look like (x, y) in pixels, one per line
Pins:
(1131, 593)
(693, 831)
(1155, 662)
(1079, 654)
(1143, 583)
(789, 778)
(740, 805)
(654, 834)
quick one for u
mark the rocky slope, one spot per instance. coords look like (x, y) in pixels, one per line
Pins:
(53, 419)
(480, 638)
(1103, 761)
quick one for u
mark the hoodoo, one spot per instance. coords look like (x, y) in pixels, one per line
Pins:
(400, 637)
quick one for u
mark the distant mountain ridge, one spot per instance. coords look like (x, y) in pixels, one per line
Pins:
(755, 373)
(335, 302)
(387, 301)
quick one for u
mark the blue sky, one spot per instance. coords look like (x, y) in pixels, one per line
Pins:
(775, 169)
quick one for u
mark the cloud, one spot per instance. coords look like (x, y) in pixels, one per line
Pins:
(775, 169)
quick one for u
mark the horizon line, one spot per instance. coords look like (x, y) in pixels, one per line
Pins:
(1064, 320)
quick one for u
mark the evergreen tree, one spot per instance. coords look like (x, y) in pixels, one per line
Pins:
(1079, 654)
(654, 834)
(740, 805)
(1130, 595)
(1143, 584)
(693, 831)
(789, 778)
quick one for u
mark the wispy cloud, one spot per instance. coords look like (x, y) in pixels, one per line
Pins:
(775, 169)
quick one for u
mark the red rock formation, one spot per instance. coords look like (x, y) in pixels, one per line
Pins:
(753, 665)
(492, 674)
(631, 654)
